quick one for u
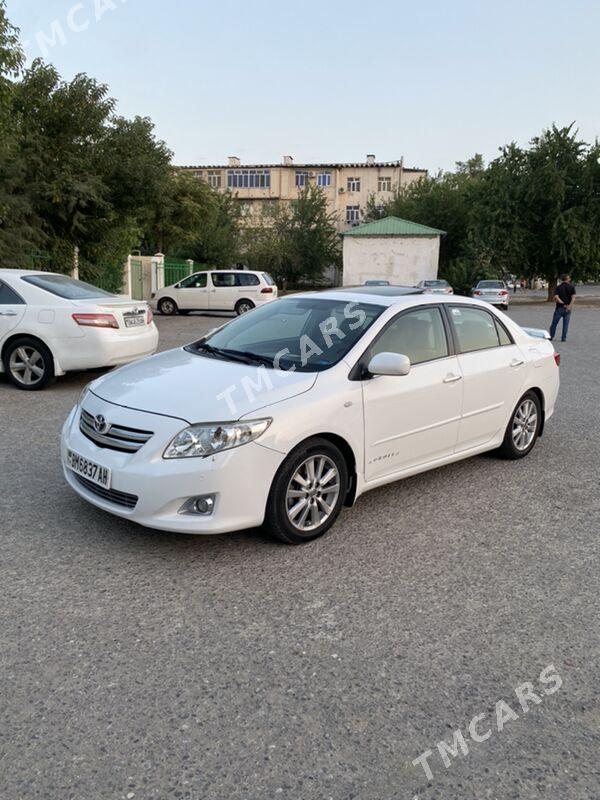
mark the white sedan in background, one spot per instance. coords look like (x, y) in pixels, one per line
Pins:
(437, 286)
(287, 414)
(51, 324)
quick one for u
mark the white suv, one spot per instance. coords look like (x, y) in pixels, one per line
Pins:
(217, 290)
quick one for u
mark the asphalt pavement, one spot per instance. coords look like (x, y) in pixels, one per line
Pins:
(138, 664)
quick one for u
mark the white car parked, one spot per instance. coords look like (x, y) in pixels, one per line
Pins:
(217, 290)
(51, 324)
(287, 414)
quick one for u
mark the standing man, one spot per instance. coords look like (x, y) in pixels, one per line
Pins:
(564, 297)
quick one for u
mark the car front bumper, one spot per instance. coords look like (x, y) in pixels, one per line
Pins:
(239, 478)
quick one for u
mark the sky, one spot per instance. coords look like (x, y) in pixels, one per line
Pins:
(433, 81)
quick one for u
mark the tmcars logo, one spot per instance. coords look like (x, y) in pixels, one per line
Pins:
(483, 726)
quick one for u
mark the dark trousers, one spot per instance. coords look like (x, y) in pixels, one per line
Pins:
(560, 313)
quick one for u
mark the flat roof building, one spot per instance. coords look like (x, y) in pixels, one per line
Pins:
(347, 186)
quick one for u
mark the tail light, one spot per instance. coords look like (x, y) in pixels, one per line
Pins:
(96, 320)
(557, 359)
(267, 290)
(503, 292)
(149, 316)
(449, 290)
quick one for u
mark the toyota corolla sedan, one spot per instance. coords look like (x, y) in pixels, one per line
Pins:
(51, 324)
(494, 292)
(289, 413)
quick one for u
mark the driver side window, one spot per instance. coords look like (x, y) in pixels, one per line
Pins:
(418, 334)
(194, 282)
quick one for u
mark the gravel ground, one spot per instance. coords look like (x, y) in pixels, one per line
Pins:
(136, 664)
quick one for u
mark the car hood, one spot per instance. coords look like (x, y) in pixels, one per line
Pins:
(198, 388)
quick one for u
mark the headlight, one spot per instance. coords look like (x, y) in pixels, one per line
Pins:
(209, 438)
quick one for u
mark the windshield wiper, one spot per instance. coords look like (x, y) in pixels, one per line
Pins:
(228, 355)
(256, 357)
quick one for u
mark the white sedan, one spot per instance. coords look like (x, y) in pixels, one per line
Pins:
(290, 412)
(51, 324)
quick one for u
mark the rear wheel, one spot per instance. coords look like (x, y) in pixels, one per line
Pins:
(243, 306)
(28, 363)
(167, 306)
(523, 428)
(308, 492)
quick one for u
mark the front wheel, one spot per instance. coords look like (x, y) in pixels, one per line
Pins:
(243, 306)
(523, 428)
(308, 492)
(167, 306)
(29, 364)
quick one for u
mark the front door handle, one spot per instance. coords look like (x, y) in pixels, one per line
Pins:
(516, 362)
(451, 378)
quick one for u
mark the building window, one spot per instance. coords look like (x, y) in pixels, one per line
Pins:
(384, 184)
(214, 178)
(324, 179)
(301, 179)
(248, 178)
(198, 173)
(354, 184)
(352, 214)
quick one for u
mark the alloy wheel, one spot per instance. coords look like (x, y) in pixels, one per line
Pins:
(243, 308)
(312, 493)
(26, 364)
(524, 424)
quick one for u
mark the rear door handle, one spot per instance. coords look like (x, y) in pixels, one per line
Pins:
(450, 378)
(8, 313)
(516, 362)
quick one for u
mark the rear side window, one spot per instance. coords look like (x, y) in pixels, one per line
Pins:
(223, 278)
(503, 334)
(475, 329)
(268, 279)
(420, 335)
(247, 279)
(8, 297)
(63, 286)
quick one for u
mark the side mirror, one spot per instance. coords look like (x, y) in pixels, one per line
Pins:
(389, 364)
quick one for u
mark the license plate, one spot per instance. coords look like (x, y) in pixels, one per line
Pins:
(89, 469)
(134, 322)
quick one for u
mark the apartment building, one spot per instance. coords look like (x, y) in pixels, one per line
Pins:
(346, 186)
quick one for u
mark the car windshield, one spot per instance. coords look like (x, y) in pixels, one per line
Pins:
(63, 286)
(435, 283)
(297, 333)
(490, 285)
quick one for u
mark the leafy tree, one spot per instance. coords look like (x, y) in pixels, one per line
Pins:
(442, 201)
(538, 210)
(295, 241)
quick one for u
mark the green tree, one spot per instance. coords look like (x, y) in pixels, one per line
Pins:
(296, 241)
(538, 210)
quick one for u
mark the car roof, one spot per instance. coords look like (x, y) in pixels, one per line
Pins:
(389, 296)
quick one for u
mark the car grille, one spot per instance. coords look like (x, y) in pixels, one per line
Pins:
(116, 437)
(112, 495)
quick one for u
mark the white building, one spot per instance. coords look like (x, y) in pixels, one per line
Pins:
(391, 249)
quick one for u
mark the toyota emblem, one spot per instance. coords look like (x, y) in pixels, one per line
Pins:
(100, 424)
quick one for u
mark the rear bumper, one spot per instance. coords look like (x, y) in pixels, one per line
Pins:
(107, 348)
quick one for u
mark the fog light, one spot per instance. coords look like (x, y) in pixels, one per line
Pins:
(203, 506)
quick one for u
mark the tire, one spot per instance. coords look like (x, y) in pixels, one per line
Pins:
(529, 409)
(243, 306)
(28, 363)
(311, 520)
(505, 307)
(167, 306)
